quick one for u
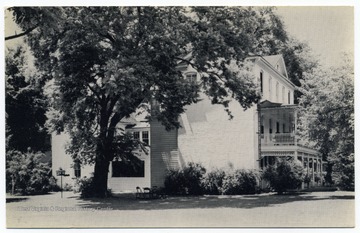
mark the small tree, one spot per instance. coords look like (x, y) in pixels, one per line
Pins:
(285, 174)
(26, 174)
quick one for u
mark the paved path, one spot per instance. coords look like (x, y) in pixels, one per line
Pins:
(317, 209)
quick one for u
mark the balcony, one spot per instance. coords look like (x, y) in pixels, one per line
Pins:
(278, 139)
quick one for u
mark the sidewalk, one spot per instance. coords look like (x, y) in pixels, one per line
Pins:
(317, 209)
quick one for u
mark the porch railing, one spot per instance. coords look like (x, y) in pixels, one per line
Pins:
(278, 139)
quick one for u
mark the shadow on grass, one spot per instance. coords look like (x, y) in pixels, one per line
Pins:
(128, 202)
(15, 199)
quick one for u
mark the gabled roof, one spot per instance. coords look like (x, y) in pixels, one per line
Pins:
(277, 60)
(273, 60)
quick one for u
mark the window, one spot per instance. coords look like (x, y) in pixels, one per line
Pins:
(289, 97)
(270, 126)
(136, 135)
(283, 94)
(191, 77)
(130, 168)
(142, 136)
(270, 82)
(277, 127)
(77, 169)
(277, 91)
(261, 82)
(145, 137)
(284, 128)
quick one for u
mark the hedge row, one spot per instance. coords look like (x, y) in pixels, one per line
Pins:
(194, 180)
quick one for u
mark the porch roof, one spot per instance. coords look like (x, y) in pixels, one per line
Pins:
(266, 104)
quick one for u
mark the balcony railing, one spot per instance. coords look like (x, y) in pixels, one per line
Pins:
(278, 139)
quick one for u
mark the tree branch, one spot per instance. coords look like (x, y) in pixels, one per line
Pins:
(21, 34)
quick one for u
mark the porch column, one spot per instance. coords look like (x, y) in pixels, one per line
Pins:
(313, 170)
(308, 163)
(321, 172)
(295, 123)
(302, 162)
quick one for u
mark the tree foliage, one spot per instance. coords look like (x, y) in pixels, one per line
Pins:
(25, 103)
(103, 62)
(327, 118)
(26, 174)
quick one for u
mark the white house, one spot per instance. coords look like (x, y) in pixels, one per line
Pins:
(251, 140)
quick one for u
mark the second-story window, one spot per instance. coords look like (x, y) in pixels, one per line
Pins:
(145, 137)
(283, 94)
(270, 83)
(270, 126)
(289, 97)
(142, 136)
(261, 82)
(136, 135)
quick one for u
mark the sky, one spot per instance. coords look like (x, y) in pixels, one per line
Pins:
(329, 31)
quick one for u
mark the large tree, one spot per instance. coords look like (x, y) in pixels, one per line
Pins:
(104, 62)
(327, 119)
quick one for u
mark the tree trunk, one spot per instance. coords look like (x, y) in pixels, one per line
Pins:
(100, 178)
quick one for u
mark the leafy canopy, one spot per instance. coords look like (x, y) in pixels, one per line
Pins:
(103, 62)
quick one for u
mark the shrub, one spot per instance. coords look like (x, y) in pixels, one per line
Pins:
(26, 174)
(284, 175)
(240, 182)
(213, 182)
(68, 187)
(317, 179)
(185, 181)
(307, 180)
(175, 182)
(85, 187)
(53, 185)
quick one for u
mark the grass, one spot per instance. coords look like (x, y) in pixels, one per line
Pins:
(324, 209)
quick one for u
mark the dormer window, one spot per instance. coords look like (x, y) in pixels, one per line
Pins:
(191, 77)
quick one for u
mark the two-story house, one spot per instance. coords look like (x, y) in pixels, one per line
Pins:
(251, 140)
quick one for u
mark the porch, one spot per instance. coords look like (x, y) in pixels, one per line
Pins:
(278, 138)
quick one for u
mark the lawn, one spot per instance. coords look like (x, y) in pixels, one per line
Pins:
(314, 209)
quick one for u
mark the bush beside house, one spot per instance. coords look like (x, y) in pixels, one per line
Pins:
(193, 180)
(284, 175)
